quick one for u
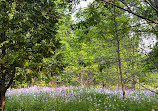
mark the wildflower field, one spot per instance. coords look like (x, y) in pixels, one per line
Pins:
(79, 99)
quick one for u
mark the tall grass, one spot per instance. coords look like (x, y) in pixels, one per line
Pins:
(79, 99)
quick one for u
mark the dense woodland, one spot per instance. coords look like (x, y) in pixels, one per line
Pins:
(41, 45)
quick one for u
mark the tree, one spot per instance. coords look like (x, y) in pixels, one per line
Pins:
(27, 30)
(118, 52)
(134, 6)
(128, 31)
(143, 22)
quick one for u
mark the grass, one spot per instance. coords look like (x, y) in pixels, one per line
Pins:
(79, 99)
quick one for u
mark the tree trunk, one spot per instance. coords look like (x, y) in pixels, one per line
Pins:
(133, 75)
(103, 83)
(2, 89)
(32, 81)
(82, 73)
(2, 98)
(120, 68)
(94, 82)
(2, 76)
(4, 86)
(118, 77)
(118, 53)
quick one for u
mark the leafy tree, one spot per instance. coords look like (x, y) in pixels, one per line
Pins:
(27, 30)
(138, 8)
(99, 16)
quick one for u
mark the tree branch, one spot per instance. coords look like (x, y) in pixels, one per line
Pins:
(148, 89)
(130, 11)
(151, 5)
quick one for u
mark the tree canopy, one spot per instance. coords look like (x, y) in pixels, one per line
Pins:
(41, 44)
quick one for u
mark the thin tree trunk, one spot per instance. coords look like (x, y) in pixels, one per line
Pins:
(32, 81)
(120, 68)
(82, 73)
(41, 77)
(118, 52)
(103, 83)
(94, 82)
(118, 77)
(133, 75)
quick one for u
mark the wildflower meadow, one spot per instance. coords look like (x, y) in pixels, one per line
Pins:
(79, 99)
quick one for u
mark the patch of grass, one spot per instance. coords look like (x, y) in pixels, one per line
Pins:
(81, 99)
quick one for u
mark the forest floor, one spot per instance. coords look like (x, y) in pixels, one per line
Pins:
(79, 99)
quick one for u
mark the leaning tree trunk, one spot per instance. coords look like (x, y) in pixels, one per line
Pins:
(2, 89)
(2, 98)
(4, 86)
(118, 53)
(2, 76)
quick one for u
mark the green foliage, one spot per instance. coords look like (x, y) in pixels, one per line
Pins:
(28, 34)
(153, 57)
(39, 40)
(90, 42)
